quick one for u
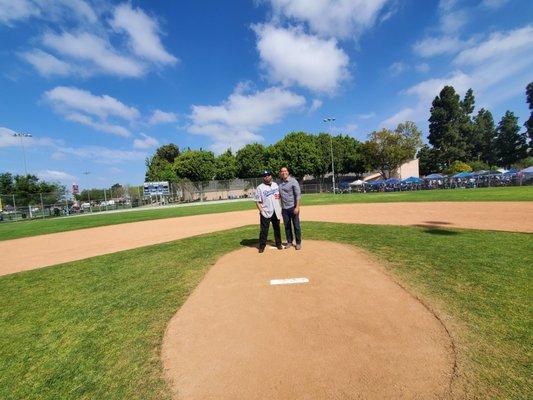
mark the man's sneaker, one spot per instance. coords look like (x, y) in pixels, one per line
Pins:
(280, 247)
(288, 246)
(261, 250)
(298, 246)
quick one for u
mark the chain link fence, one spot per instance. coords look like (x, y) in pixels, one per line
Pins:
(26, 206)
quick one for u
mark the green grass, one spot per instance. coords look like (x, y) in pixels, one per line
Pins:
(92, 329)
(40, 227)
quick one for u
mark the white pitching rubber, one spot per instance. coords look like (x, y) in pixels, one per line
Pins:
(289, 281)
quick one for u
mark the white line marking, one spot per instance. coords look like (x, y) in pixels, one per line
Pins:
(289, 281)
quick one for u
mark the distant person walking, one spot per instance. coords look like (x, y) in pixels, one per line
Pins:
(290, 204)
(267, 201)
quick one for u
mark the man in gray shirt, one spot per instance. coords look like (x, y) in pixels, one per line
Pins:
(289, 190)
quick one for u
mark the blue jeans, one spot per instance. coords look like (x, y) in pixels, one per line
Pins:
(291, 219)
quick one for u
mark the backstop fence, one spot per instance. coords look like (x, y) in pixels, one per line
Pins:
(25, 206)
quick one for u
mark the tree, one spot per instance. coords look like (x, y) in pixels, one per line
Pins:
(159, 167)
(226, 166)
(510, 144)
(466, 127)
(348, 155)
(251, 161)
(529, 122)
(446, 125)
(483, 138)
(387, 150)
(458, 166)
(195, 165)
(6, 183)
(428, 160)
(297, 151)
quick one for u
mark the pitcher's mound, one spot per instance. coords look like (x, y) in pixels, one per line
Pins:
(349, 332)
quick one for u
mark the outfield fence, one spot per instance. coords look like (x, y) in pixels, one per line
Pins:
(26, 206)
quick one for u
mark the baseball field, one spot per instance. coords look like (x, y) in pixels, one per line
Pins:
(405, 295)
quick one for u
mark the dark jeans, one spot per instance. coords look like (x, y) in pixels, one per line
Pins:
(265, 224)
(291, 219)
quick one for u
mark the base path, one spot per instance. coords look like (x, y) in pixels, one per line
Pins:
(40, 251)
(349, 333)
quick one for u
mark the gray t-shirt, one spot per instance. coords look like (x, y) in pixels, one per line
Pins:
(290, 192)
(268, 196)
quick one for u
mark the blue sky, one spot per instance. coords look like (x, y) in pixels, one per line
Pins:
(100, 84)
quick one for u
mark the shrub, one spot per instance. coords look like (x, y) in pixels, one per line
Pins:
(458, 166)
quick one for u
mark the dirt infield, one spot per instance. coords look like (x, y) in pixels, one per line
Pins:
(40, 251)
(349, 333)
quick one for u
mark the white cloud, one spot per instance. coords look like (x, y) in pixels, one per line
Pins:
(53, 10)
(290, 56)
(397, 68)
(433, 46)
(162, 117)
(497, 68)
(143, 33)
(498, 44)
(14, 10)
(403, 115)
(51, 175)
(102, 155)
(93, 54)
(8, 140)
(47, 64)
(422, 67)
(494, 4)
(337, 18)
(236, 121)
(71, 98)
(81, 106)
(315, 105)
(146, 142)
(367, 115)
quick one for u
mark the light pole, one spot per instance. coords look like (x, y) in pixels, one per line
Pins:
(331, 121)
(86, 173)
(21, 136)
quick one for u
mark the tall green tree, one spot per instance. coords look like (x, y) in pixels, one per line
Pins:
(226, 166)
(466, 127)
(251, 161)
(483, 138)
(6, 183)
(298, 151)
(510, 144)
(160, 167)
(529, 122)
(195, 165)
(428, 160)
(348, 155)
(446, 126)
(387, 150)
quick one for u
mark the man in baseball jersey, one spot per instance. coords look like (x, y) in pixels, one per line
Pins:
(267, 201)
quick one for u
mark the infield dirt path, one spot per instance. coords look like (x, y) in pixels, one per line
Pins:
(349, 333)
(40, 251)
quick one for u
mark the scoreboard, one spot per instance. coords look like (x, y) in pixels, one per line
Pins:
(156, 188)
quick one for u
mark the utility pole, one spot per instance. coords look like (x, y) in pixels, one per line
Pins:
(331, 122)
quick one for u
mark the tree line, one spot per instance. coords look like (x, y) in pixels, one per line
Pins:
(27, 189)
(460, 140)
(303, 153)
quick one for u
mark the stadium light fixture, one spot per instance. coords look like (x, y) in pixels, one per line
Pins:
(21, 136)
(331, 121)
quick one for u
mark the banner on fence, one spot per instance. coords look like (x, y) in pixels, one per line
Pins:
(156, 188)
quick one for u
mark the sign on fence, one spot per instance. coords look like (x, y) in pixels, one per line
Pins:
(75, 189)
(156, 188)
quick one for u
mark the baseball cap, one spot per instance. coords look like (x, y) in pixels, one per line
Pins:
(266, 172)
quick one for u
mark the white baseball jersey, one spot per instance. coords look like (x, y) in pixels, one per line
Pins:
(268, 196)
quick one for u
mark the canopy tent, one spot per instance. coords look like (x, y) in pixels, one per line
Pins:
(378, 182)
(392, 181)
(358, 182)
(463, 175)
(528, 170)
(435, 176)
(413, 179)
